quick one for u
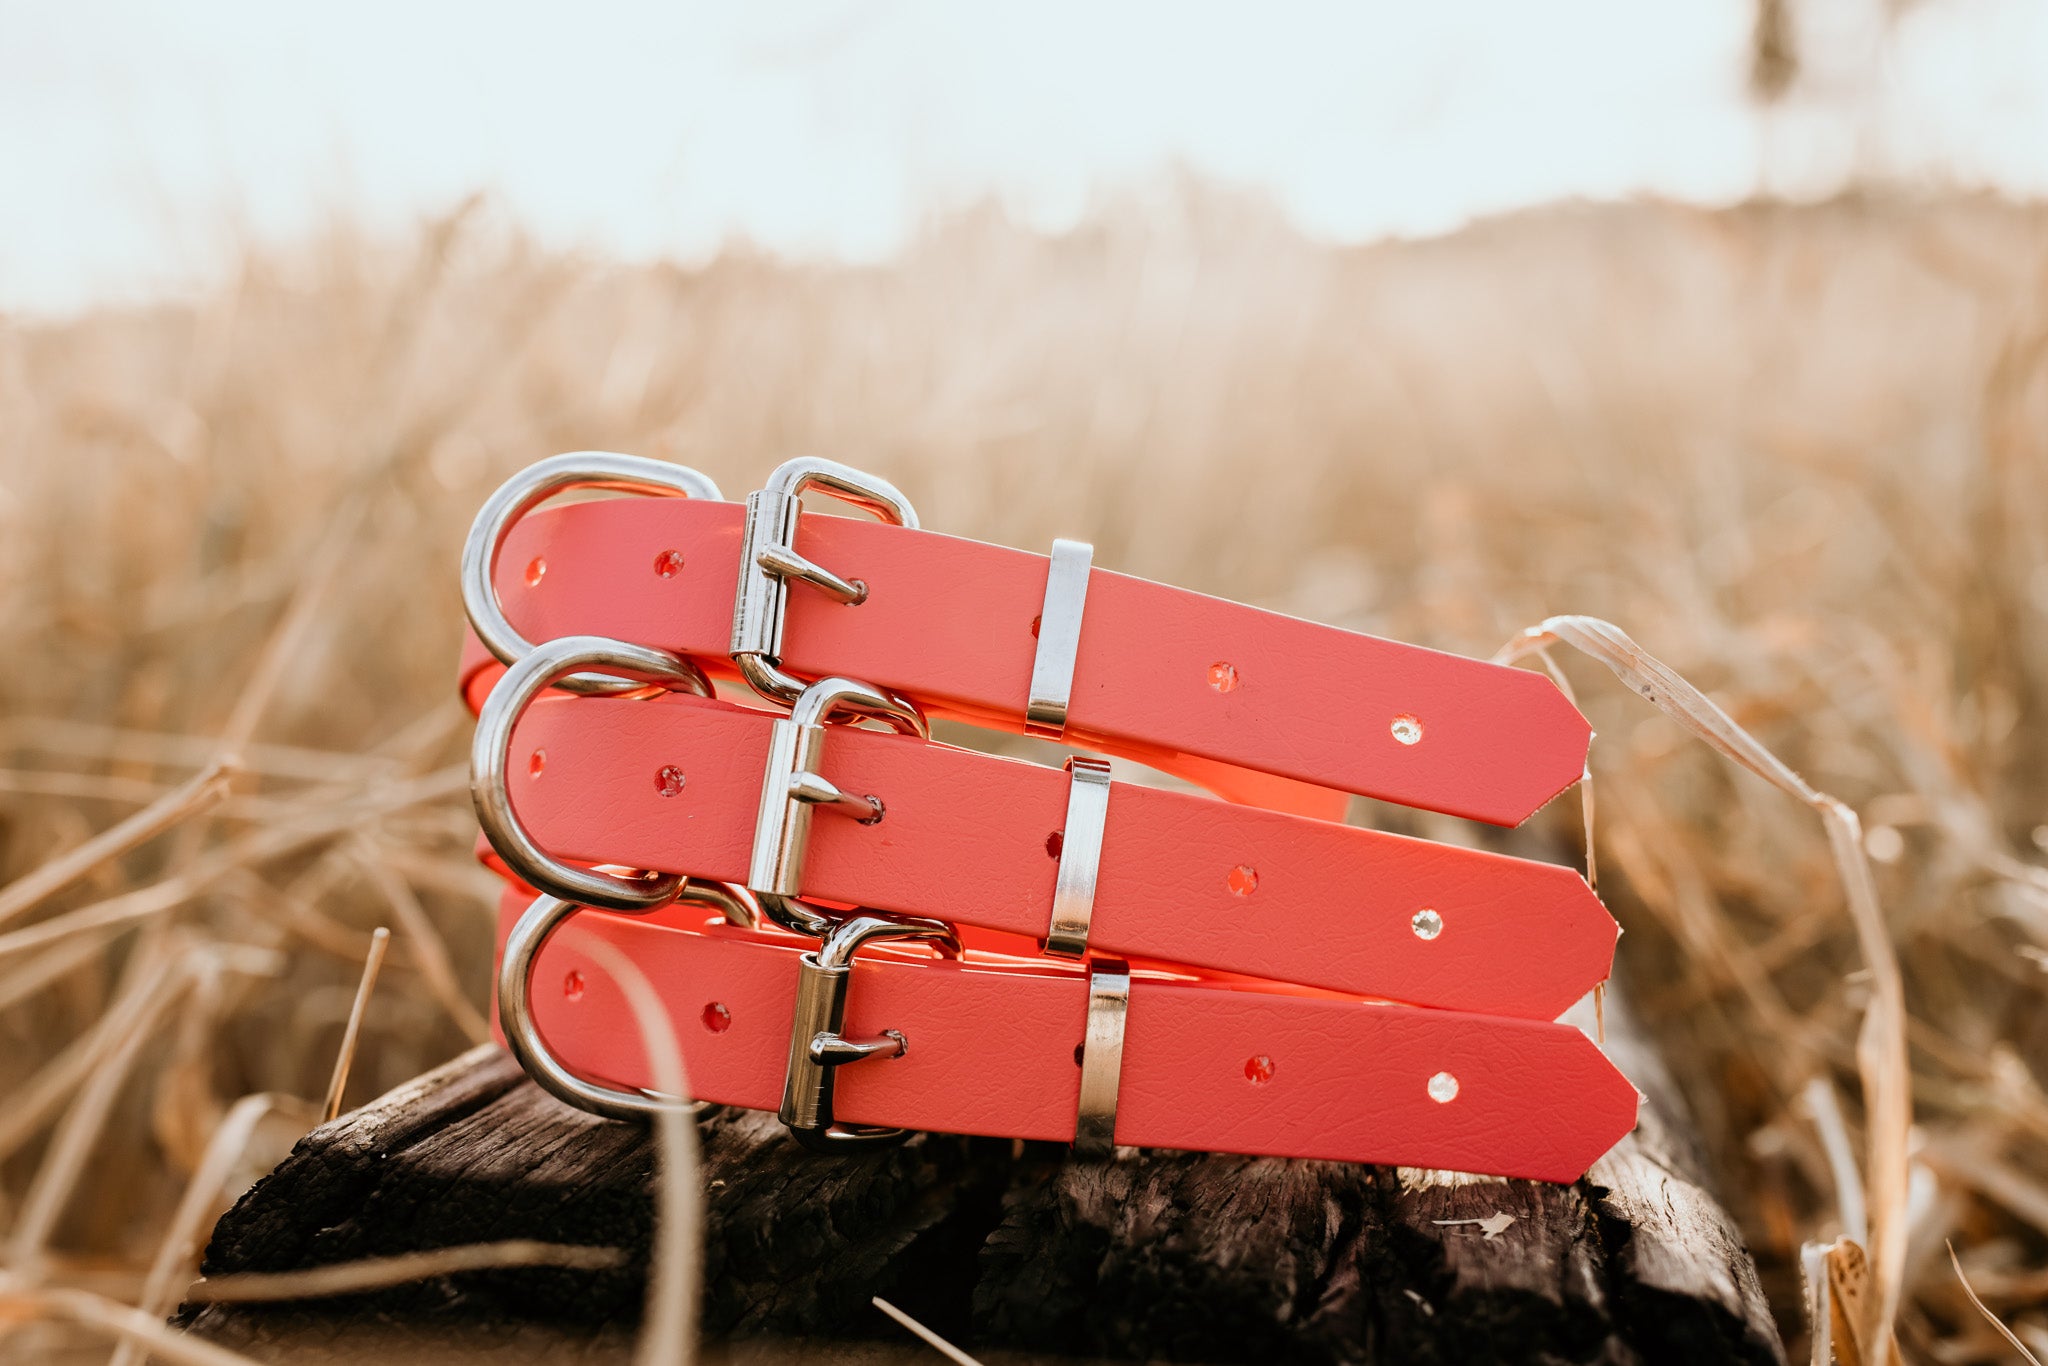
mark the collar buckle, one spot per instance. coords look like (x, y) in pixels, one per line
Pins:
(769, 562)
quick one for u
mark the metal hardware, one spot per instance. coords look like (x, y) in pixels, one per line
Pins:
(1059, 638)
(792, 788)
(523, 492)
(530, 933)
(642, 667)
(816, 1046)
(1073, 890)
(769, 560)
(1102, 1058)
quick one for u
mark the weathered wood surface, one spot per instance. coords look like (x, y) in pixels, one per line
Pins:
(1014, 1254)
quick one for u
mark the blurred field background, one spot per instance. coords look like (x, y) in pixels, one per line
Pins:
(1799, 451)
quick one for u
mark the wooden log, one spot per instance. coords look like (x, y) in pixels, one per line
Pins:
(1162, 1256)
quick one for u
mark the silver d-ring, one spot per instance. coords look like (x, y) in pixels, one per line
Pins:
(641, 667)
(536, 924)
(526, 490)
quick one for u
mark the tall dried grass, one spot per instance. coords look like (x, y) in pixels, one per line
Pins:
(1799, 453)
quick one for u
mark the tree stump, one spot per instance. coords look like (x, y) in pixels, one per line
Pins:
(1011, 1251)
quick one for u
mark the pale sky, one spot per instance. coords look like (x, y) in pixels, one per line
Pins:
(139, 140)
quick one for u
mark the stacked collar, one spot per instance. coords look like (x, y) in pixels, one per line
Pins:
(1041, 953)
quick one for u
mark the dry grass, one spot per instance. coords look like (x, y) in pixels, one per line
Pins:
(1800, 454)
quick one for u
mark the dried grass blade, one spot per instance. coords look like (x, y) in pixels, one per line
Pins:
(670, 1334)
(429, 950)
(1813, 1266)
(299, 617)
(380, 939)
(932, 1339)
(259, 846)
(201, 793)
(1881, 1041)
(381, 1273)
(133, 1010)
(1834, 1141)
(96, 1311)
(1989, 1317)
(202, 1193)
(54, 966)
(72, 1143)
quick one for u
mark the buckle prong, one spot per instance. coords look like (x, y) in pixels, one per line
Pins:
(814, 790)
(780, 560)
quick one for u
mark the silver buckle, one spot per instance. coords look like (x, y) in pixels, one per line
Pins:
(769, 560)
(818, 1048)
(792, 788)
(525, 491)
(639, 667)
(529, 934)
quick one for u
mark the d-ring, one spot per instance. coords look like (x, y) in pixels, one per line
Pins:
(536, 924)
(523, 492)
(640, 667)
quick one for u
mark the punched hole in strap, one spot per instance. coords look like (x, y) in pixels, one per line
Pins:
(1102, 1058)
(1059, 638)
(1073, 893)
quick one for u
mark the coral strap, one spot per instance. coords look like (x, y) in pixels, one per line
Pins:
(672, 784)
(1252, 704)
(992, 1050)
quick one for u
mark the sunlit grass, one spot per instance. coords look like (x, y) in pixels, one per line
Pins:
(1801, 455)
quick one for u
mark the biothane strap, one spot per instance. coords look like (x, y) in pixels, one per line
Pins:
(674, 784)
(1251, 704)
(997, 1050)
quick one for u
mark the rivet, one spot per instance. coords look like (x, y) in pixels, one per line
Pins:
(1443, 1088)
(1427, 924)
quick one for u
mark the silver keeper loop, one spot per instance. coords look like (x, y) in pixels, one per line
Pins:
(525, 491)
(769, 561)
(1059, 638)
(641, 667)
(1073, 891)
(530, 933)
(817, 1046)
(1102, 1058)
(793, 788)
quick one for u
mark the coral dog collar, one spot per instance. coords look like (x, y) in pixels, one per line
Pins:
(675, 785)
(1257, 930)
(1005, 1048)
(1254, 705)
